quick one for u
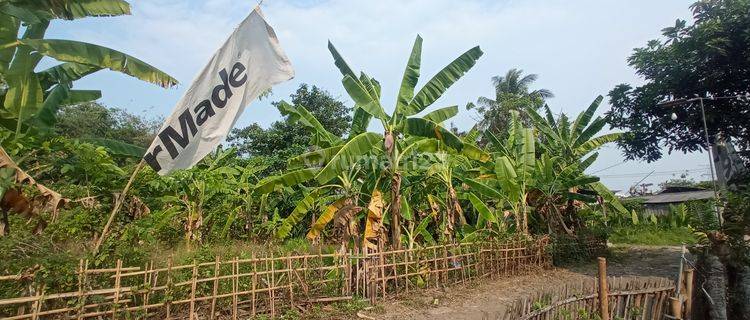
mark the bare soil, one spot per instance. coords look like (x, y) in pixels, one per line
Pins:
(487, 299)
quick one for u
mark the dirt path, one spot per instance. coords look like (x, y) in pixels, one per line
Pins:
(487, 300)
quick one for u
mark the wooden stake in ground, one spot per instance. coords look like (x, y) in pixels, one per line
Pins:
(688, 280)
(603, 290)
(117, 206)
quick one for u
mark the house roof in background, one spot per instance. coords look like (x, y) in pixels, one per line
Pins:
(675, 197)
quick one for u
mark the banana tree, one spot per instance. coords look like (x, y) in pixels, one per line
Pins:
(30, 99)
(400, 124)
(575, 143)
(510, 178)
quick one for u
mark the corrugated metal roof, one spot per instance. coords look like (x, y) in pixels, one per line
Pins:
(673, 197)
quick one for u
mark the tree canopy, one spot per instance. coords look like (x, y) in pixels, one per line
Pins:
(94, 120)
(710, 58)
(287, 138)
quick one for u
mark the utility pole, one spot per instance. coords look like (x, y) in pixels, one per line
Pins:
(678, 102)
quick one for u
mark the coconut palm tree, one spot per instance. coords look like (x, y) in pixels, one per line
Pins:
(512, 93)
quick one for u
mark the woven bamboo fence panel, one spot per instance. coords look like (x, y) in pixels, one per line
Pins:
(641, 298)
(265, 285)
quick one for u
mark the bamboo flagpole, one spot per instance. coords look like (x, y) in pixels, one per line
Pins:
(118, 204)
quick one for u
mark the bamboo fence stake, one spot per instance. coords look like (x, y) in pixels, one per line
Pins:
(152, 281)
(80, 288)
(255, 281)
(304, 264)
(675, 307)
(688, 278)
(169, 286)
(145, 286)
(394, 265)
(217, 269)
(117, 290)
(603, 291)
(406, 269)
(348, 273)
(370, 276)
(338, 268)
(273, 287)
(38, 303)
(235, 285)
(505, 260)
(437, 269)
(193, 287)
(382, 271)
(289, 278)
(446, 266)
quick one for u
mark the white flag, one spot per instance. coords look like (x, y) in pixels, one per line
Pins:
(250, 62)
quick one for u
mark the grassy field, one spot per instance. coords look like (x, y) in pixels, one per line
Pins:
(650, 235)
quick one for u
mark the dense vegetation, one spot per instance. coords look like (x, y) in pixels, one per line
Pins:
(318, 176)
(317, 173)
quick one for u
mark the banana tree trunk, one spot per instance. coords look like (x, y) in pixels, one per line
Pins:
(457, 210)
(450, 220)
(389, 145)
(396, 210)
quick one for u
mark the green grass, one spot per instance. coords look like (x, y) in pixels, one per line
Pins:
(651, 235)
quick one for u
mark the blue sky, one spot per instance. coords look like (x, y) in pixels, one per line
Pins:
(578, 48)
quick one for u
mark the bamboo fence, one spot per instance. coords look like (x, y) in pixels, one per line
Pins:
(641, 298)
(266, 285)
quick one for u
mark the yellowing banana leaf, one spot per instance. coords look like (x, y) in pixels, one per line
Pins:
(299, 212)
(325, 218)
(374, 221)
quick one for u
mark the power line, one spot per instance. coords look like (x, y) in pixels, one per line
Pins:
(610, 167)
(638, 174)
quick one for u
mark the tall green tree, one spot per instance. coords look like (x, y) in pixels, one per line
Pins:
(287, 138)
(708, 58)
(513, 93)
(94, 120)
